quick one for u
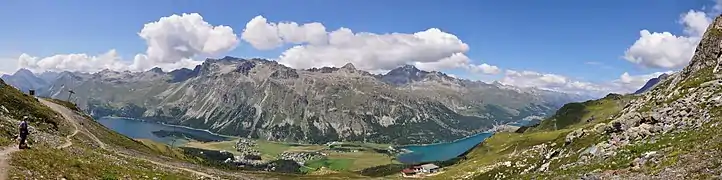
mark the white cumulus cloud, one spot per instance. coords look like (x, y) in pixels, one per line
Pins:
(175, 38)
(74, 62)
(431, 49)
(171, 41)
(533, 79)
(265, 35)
(457, 60)
(666, 50)
(626, 83)
(485, 68)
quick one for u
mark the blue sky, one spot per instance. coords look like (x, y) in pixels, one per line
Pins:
(560, 38)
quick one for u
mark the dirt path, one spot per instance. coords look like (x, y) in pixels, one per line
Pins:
(68, 141)
(7, 150)
(5, 158)
(74, 119)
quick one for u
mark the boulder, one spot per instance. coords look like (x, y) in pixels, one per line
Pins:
(601, 128)
(646, 130)
(632, 133)
(614, 126)
(573, 135)
(544, 167)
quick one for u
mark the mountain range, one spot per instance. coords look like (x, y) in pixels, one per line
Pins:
(259, 98)
(25, 80)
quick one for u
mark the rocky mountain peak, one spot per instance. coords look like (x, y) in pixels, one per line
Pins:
(227, 58)
(105, 71)
(245, 67)
(23, 72)
(182, 74)
(24, 80)
(156, 70)
(224, 59)
(349, 66)
(409, 68)
(324, 69)
(651, 83)
(404, 75)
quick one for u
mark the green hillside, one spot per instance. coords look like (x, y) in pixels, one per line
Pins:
(669, 132)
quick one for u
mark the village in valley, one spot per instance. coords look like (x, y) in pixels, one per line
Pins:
(334, 156)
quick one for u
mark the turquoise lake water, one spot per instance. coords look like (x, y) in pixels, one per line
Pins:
(138, 129)
(441, 151)
(144, 130)
(450, 150)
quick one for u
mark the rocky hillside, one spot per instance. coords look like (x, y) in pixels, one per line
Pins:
(263, 99)
(670, 132)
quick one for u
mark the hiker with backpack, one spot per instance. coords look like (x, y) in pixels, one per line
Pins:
(23, 133)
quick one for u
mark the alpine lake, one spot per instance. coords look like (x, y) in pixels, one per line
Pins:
(355, 157)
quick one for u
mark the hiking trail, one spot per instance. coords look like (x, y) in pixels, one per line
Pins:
(68, 141)
(74, 119)
(4, 159)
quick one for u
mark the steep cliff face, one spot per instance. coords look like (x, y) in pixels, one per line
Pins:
(671, 132)
(263, 99)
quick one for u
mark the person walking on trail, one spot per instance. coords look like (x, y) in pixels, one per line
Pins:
(23, 133)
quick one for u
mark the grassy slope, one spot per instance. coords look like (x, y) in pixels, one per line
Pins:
(271, 150)
(501, 146)
(118, 140)
(79, 161)
(696, 152)
(362, 159)
(331, 163)
(573, 114)
(19, 104)
(228, 146)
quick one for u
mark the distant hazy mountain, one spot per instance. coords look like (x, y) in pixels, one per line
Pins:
(24, 80)
(651, 83)
(49, 76)
(263, 99)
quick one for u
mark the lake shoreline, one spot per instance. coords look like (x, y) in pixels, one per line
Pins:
(419, 153)
(297, 143)
(406, 154)
(491, 131)
(173, 125)
(142, 129)
(409, 153)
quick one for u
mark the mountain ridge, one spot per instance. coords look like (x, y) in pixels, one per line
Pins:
(24, 80)
(264, 99)
(651, 83)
